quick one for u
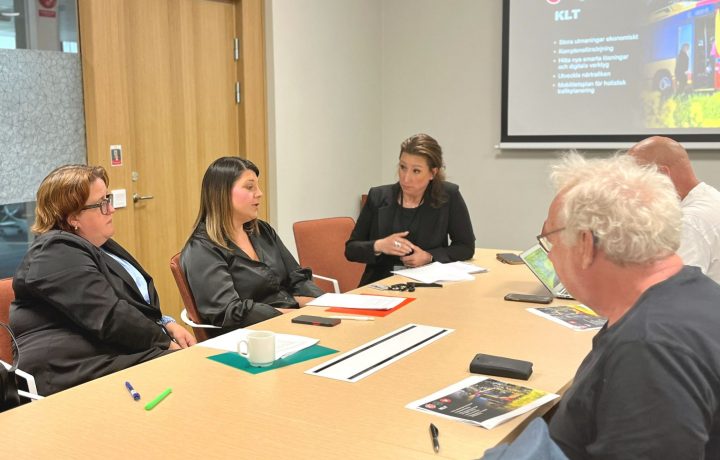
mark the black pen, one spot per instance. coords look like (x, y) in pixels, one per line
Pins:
(434, 433)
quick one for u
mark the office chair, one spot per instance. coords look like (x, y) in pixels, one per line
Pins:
(321, 246)
(7, 295)
(190, 314)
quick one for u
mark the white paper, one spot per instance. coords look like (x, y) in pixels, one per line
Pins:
(434, 272)
(285, 344)
(370, 357)
(357, 301)
(575, 318)
(467, 267)
(485, 423)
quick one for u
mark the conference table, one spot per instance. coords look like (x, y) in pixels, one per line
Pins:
(217, 411)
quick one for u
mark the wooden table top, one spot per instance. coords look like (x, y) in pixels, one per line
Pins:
(216, 411)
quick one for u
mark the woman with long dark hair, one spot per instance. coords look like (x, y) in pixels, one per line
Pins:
(239, 271)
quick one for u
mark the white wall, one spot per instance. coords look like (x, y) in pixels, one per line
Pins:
(324, 98)
(437, 70)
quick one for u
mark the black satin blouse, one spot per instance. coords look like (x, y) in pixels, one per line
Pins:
(231, 290)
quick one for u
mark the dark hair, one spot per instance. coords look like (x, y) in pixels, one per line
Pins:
(216, 202)
(425, 146)
(62, 193)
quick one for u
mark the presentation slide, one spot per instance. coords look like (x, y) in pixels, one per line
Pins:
(611, 69)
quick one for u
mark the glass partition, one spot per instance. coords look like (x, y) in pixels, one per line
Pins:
(42, 124)
(49, 25)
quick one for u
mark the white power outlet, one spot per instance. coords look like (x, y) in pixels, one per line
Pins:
(119, 198)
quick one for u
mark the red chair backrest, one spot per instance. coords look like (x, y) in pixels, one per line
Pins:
(7, 295)
(187, 297)
(321, 247)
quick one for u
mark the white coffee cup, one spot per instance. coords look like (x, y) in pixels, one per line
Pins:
(259, 348)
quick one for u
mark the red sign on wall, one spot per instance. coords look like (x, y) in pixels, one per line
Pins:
(47, 13)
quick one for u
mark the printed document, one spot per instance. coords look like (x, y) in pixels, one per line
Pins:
(435, 272)
(357, 301)
(482, 401)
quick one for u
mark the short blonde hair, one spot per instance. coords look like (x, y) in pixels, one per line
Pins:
(632, 210)
(64, 192)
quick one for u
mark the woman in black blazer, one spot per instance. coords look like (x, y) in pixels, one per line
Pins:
(407, 224)
(83, 305)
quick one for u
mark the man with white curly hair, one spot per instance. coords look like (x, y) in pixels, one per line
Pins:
(700, 242)
(650, 387)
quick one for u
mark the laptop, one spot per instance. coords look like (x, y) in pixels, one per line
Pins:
(538, 262)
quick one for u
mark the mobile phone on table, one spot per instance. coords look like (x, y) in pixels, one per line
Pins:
(531, 298)
(509, 258)
(316, 320)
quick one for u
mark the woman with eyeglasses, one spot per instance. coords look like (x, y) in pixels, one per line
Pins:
(84, 307)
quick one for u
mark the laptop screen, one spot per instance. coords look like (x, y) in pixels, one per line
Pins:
(538, 261)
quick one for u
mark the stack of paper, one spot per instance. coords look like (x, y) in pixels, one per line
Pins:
(467, 267)
(357, 301)
(285, 344)
(434, 272)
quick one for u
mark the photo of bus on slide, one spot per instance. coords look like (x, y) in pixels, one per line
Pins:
(682, 67)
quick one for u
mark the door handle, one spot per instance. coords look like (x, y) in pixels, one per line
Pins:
(137, 197)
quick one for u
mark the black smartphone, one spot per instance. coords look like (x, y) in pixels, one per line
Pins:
(509, 258)
(316, 320)
(515, 297)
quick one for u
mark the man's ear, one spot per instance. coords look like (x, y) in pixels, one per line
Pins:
(587, 247)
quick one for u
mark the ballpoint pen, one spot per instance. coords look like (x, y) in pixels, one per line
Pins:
(356, 318)
(135, 395)
(434, 433)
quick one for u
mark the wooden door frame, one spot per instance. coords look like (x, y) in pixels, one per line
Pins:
(107, 115)
(250, 25)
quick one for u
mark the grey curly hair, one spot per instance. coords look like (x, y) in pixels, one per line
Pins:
(633, 211)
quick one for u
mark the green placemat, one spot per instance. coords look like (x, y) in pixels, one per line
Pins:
(238, 361)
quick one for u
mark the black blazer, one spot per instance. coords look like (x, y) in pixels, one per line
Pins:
(231, 290)
(78, 315)
(429, 229)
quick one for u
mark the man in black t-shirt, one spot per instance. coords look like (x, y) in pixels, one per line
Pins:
(650, 387)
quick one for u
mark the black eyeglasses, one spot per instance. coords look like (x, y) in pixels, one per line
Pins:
(103, 204)
(543, 240)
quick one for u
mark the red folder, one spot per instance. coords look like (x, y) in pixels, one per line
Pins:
(379, 313)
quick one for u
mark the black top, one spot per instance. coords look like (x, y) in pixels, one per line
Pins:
(231, 290)
(650, 387)
(429, 229)
(78, 315)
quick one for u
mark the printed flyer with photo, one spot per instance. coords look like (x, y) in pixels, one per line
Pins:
(482, 401)
(577, 317)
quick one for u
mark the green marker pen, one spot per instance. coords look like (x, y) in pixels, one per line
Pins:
(157, 400)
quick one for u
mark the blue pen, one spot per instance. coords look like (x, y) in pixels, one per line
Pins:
(135, 395)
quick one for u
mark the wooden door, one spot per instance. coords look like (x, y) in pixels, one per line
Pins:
(160, 79)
